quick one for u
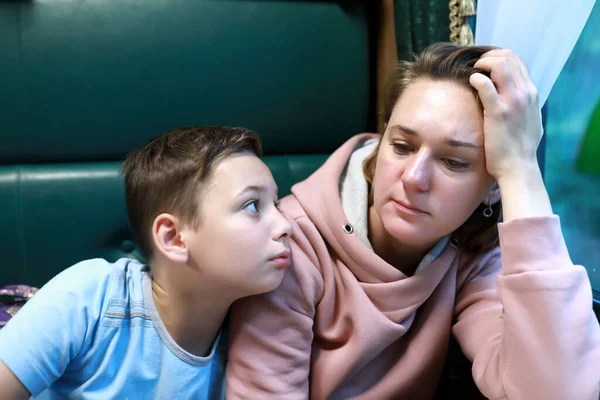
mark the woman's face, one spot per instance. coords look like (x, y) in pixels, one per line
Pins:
(430, 174)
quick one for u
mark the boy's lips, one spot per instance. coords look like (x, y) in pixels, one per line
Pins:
(281, 260)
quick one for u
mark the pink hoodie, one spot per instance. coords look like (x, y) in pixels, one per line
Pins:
(345, 324)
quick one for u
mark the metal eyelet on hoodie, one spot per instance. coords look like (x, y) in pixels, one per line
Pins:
(454, 242)
(349, 229)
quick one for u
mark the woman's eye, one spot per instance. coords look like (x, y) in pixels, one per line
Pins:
(401, 147)
(252, 206)
(455, 165)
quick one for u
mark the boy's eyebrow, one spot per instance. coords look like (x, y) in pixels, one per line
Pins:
(449, 141)
(257, 189)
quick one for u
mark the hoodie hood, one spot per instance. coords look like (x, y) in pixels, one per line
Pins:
(335, 198)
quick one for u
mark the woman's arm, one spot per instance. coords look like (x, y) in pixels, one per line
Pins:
(512, 133)
(271, 334)
(526, 321)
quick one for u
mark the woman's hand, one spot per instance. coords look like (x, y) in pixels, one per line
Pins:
(512, 127)
(512, 118)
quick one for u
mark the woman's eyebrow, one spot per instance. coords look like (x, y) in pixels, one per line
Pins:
(448, 141)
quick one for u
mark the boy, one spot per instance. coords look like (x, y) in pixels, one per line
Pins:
(204, 209)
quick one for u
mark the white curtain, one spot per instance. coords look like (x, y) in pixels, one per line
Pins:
(542, 32)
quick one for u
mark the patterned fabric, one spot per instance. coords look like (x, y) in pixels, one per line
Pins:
(420, 23)
(12, 298)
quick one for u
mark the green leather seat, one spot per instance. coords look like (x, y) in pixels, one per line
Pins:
(84, 83)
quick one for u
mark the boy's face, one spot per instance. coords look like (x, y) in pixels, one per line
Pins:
(241, 242)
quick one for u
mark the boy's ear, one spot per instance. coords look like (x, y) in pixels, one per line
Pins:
(166, 233)
(493, 195)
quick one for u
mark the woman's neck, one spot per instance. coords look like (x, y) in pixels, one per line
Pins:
(403, 257)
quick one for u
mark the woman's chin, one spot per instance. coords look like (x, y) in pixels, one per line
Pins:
(408, 233)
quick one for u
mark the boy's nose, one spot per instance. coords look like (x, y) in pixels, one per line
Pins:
(283, 226)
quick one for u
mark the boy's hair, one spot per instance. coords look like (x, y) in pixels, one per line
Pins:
(452, 63)
(166, 174)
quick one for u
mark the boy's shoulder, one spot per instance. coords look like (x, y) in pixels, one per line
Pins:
(92, 271)
(99, 279)
(66, 321)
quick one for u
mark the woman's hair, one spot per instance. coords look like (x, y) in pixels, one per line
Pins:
(453, 63)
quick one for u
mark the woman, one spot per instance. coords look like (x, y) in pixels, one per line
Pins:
(397, 243)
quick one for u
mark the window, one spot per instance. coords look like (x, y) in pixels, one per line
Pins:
(572, 167)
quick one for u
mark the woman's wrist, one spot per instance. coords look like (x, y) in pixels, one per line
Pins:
(524, 194)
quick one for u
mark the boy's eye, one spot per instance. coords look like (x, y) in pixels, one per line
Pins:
(252, 206)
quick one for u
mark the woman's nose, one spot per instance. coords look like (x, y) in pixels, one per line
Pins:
(417, 174)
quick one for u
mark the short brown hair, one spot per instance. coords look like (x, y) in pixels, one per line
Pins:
(454, 63)
(166, 174)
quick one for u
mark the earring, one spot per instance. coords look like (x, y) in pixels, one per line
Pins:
(488, 211)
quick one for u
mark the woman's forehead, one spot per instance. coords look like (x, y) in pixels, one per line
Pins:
(437, 108)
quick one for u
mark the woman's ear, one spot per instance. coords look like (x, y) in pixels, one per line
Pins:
(493, 195)
(166, 234)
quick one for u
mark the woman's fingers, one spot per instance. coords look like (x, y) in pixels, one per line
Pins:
(511, 122)
(511, 78)
(517, 73)
(523, 69)
(531, 89)
(501, 73)
(487, 92)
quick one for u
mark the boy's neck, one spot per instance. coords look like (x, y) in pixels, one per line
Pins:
(192, 311)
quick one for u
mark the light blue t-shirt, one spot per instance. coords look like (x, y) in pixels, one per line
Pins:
(93, 332)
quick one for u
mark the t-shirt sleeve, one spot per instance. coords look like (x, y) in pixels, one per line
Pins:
(52, 328)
